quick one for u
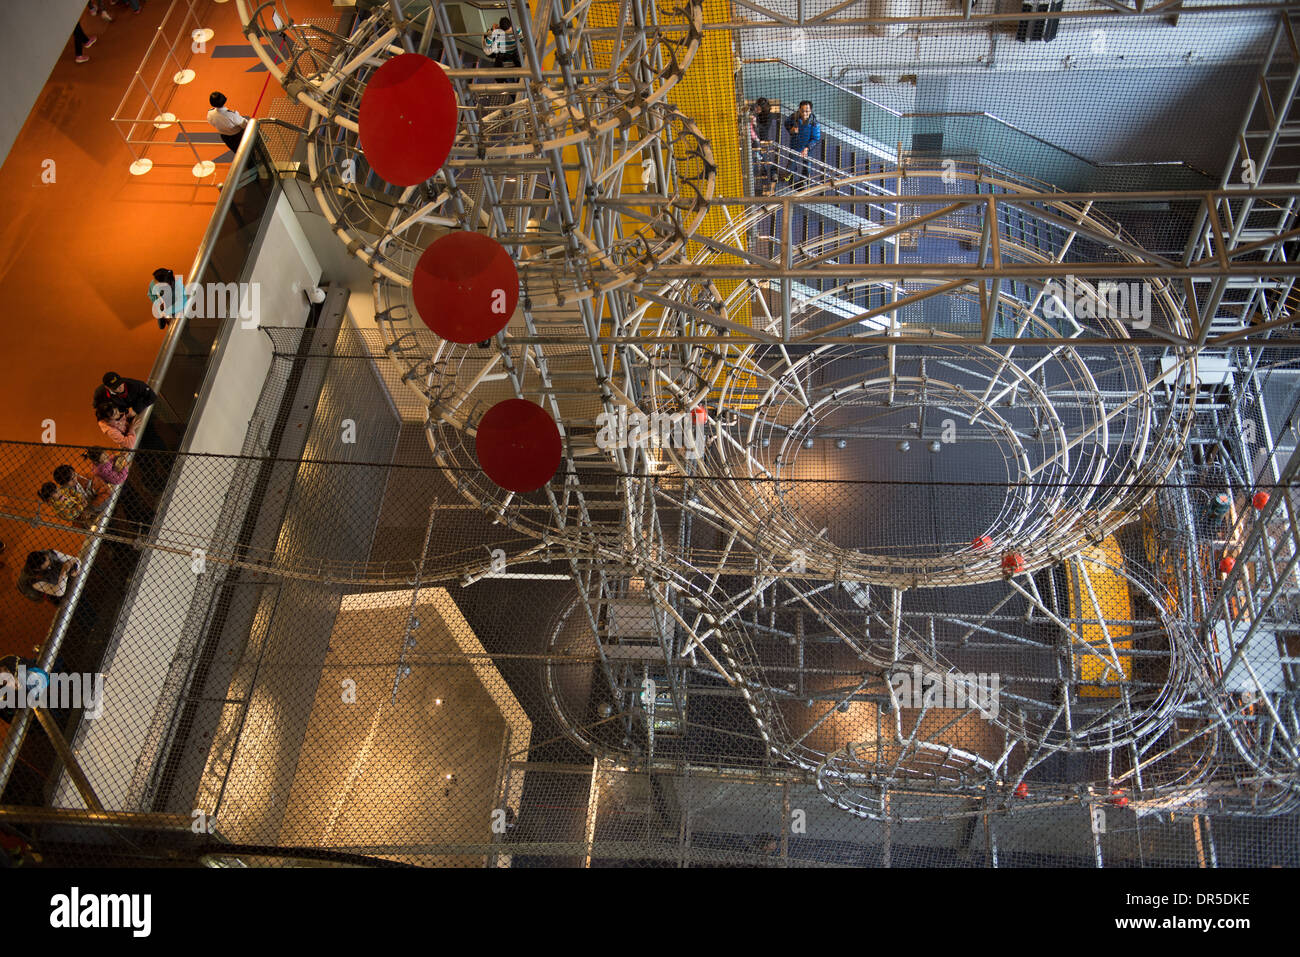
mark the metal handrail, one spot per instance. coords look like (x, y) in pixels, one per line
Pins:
(63, 617)
(1096, 164)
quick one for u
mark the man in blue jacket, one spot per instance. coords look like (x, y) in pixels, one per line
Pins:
(804, 131)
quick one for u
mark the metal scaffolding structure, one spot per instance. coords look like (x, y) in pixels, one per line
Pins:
(628, 301)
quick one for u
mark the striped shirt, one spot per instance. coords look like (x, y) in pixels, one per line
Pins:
(501, 42)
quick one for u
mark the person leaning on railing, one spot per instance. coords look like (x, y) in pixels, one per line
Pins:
(133, 395)
(117, 424)
(109, 467)
(167, 296)
(805, 132)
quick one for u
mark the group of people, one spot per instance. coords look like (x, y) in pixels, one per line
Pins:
(765, 126)
(79, 497)
(118, 404)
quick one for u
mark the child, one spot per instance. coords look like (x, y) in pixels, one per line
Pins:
(108, 467)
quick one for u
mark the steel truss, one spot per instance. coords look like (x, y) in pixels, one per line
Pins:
(699, 569)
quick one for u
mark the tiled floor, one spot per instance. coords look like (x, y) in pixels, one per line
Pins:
(76, 254)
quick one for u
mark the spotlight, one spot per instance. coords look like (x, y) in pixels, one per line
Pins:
(935, 446)
(808, 442)
(765, 443)
(841, 443)
(904, 445)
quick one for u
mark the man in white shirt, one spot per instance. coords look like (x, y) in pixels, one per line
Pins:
(226, 122)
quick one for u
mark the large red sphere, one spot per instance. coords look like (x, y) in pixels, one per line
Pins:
(518, 445)
(1259, 500)
(465, 287)
(407, 119)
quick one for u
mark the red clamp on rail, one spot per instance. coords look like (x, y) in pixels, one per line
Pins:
(1259, 500)
(1226, 564)
(1022, 790)
(984, 541)
(1013, 563)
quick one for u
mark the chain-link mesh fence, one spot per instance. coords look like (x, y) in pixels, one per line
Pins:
(953, 604)
(359, 659)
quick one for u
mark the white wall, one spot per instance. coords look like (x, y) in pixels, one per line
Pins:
(33, 34)
(1109, 89)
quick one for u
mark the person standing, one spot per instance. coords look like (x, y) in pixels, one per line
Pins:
(502, 44)
(109, 467)
(81, 43)
(167, 296)
(805, 131)
(117, 425)
(225, 121)
(126, 394)
(764, 131)
(44, 576)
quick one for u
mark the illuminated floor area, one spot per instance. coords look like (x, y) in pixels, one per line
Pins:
(399, 750)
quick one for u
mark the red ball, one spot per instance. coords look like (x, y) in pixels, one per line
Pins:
(407, 119)
(518, 445)
(465, 287)
(1259, 500)
(1226, 564)
(1022, 790)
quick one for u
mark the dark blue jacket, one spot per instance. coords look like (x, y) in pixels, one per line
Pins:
(807, 133)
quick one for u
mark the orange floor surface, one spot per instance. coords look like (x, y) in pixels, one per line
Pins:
(77, 254)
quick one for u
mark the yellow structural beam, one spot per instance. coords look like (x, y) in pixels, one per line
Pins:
(1115, 604)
